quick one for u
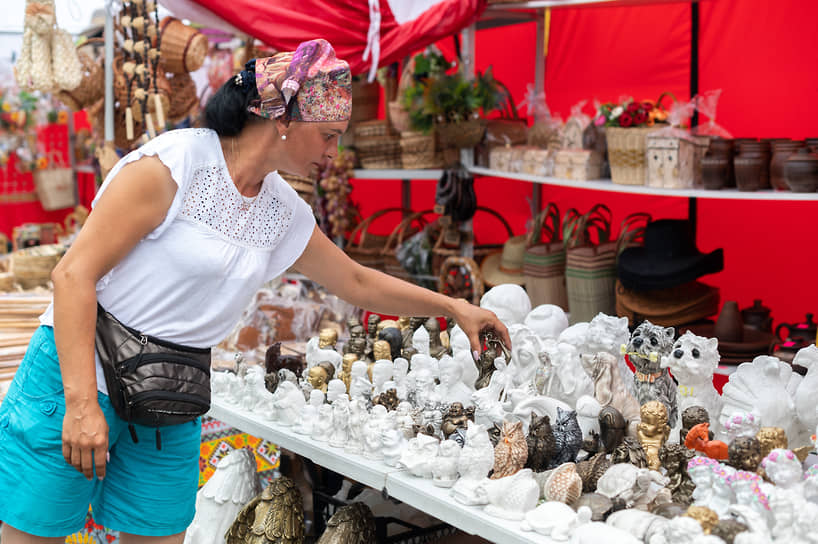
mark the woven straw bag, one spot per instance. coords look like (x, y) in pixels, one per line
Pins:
(32, 266)
(304, 186)
(182, 48)
(56, 187)
(461, 135)
(92, 83)
(366, 97)
(408, 227)
(418, 151)
(183, 99)
(367, 248)
(627, 153)
(544, 260)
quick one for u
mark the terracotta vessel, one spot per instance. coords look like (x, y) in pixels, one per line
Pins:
(729, 326)
(717, 164)
(801, 171)
(781, 152)
(752, 166)
(805, 331)
(757, 316)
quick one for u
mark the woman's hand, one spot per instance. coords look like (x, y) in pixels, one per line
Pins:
(474, 320)
(85, 438)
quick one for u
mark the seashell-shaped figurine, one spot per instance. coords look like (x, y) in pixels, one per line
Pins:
(555, 520)
(563, 484)
(511, 497)
(766, 387)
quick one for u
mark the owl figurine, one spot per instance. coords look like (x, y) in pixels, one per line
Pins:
(276, 516)
(511, 451)
(351, 524)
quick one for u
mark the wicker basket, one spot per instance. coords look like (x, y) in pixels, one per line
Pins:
(399, 117)
(183, 99)
(367, 248)
(96, 116)
(461, 135)
(418, 151)
(366, 98)
(378, 128)
(182, 48)
(440, 251)
(627, 153)
(92, 85)
(56, 186)
(305, 187)
(544, 260)
(382, 152)
(32, 266)
(411, 225)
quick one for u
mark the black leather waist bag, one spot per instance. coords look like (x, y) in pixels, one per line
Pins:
(150, 381)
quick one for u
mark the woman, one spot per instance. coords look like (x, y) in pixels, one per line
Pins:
(184, 231)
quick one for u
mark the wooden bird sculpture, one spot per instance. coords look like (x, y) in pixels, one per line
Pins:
(276, 516)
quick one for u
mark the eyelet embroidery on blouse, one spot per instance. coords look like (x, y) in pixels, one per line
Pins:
(213, 201)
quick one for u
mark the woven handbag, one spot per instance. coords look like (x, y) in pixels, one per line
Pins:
(544, 260)
(367, 248)
(56, 186)
(408, 227)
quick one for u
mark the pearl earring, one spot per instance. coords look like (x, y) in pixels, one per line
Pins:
(283, 136)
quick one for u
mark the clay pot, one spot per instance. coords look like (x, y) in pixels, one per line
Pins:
(754, 162)
(812, 143)
(758, 317)
(715, 171)
(781, 152)
(801, 170)
(729, 326)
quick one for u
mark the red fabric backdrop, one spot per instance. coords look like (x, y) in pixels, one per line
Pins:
(769, 90)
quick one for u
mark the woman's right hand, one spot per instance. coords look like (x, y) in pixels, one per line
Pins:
(85, 438)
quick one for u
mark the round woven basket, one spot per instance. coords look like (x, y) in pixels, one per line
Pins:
(183, 97)
(366, 98)
(92, 84)
(627, 154)
(32, 267)
(305, 187)
(183, 48)
(418, 151)
(382, 153)
(461, 135)
(378, 128)
(399, 117)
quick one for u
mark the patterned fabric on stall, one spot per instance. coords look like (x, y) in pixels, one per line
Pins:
(218, 440)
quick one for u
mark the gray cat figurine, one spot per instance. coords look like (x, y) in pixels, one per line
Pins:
(567, 438)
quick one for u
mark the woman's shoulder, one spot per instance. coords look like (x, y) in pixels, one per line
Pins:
(185, 136)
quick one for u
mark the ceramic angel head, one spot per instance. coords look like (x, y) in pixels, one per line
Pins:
(741, 424)
(547, 321)
(510, 303)
(783, 468)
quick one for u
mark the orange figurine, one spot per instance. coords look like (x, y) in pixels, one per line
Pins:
(697, 439)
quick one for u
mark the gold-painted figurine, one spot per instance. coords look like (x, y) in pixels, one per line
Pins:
(276, 516)
(653, 431)
(382, 350)
(706, 517)
(319, 376)
(352, 524)
(346, 369)
(327, 338)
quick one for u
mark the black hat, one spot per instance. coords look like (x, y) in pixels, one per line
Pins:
(669, 258)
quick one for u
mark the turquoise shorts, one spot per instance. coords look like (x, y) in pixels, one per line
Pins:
(145, 491)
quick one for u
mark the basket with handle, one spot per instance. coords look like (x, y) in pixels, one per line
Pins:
(544, 260)
(31, 267)
(367, 248)
(182, 47)
(590, 263)
(441, 250)
(408, 227)
(92, 84)
(56, 187)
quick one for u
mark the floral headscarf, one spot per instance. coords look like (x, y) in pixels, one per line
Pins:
(320, 83)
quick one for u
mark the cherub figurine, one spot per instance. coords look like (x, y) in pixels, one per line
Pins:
(692, 416)
(456, 418)
(274, 517)
(744, 453)
(675, 457)
(771, 438)
(653, 431)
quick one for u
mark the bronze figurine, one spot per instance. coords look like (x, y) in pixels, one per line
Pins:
(276, 516)
(351, 524)
(541, 443)
(744, 453)
(630, 451)
(674, 457)
(456, 417)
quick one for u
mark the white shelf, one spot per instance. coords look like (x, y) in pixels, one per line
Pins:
(542, 4)
(417, 492)
(398, 174)
(608, 185)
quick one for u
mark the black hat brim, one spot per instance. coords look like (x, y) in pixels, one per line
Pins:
(640, 270)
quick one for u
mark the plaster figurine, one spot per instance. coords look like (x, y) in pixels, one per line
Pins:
(653, 431)
(566, 379)
(525, 349)
(420, 454)
(612, 428)
(350, 524)
(444, 469)
(510, 303)
(511, 497)
(404, 419)
(275, 516)
(488, 411)
(635, 487)
(712, 485)
(555, 520)
(630, 451)
(511, 452)
(588, 409)
(643, 526)
(288, 403)
(394, 445)
(681, 530)
(740, 424)
(804, 398)
(723, 495)
(360, 386)
(674, 458)
(567, 437)
(456, 418)
(221, 498)
(221, 383)
(309, 413)
(563, 484)
(400, 368)
(744, 453)
(766, 387)
(647, 345)
(783, 468)
(382, 371)
(315, 354)
(461, 351)
(322, 427)
(693, 361)
(705, 517)
(373, 439)
(420, 341)
(540, 442)
(340, 423)
(327, 338)
(358, 418)
(451, 387)
(335, 390)
(546, 320)
(600, 505)
(609, 388)
(608, 333)
(698, 439)
(592, 470)
(747, 490)
(692, 416)
(476, 460)
(254, 395)
(811, 483)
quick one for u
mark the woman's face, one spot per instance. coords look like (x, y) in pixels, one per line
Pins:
(308, 144)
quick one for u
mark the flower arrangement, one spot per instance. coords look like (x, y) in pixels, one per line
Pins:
(631, 114)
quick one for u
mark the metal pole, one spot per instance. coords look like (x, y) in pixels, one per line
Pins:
(109, 71)
(539, 86)
(694, 57)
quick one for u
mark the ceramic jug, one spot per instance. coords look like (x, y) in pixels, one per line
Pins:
(805, 331)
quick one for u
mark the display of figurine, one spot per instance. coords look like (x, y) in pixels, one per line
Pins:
(254, 396)
(456, 417)
(486, 367)
(804, 397)
(509, 302)
(631, 485)
(766, 386)
(645, 349)
(771, 438)
(744, 453)
(322, 427)
(394, 445)
(360, 386)
(706, 517)
(309, 413)
(388, 399)
(591, 470)
(327, 338)
(653, 431)
(319, 375)
(555, 520)
(612, 428)
(335, 390)
(747, 491)
(371, 334)
(609, 387)
(567, 381)
(451, 387)
(357, 347)
(444, 469)
(692, 416)
(381, 351)
(288, 403)
(680, 530)
(608, 333)
(675, 458)
(340, 423)
(276, 516)
(400, 371)
(563, 484)
(511, 452)
(540, 442)
(693, 361)
(218, 502)
(350, 524)
(274, 362)
(358, 418)
(372, 440)
(567, 438)
(630, 451)
(392, 335)
(461, 351)
(346, 368)
(698, 439)
(525, 349)
(712, 486)
(546, 320)
(420, 454)
(436, 347)
(381, 372)
(512, 496)
(315, 354)
(476, 460)
(740, 424)
(420, 341)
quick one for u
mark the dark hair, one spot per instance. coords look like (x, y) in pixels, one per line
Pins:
(226, 111)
